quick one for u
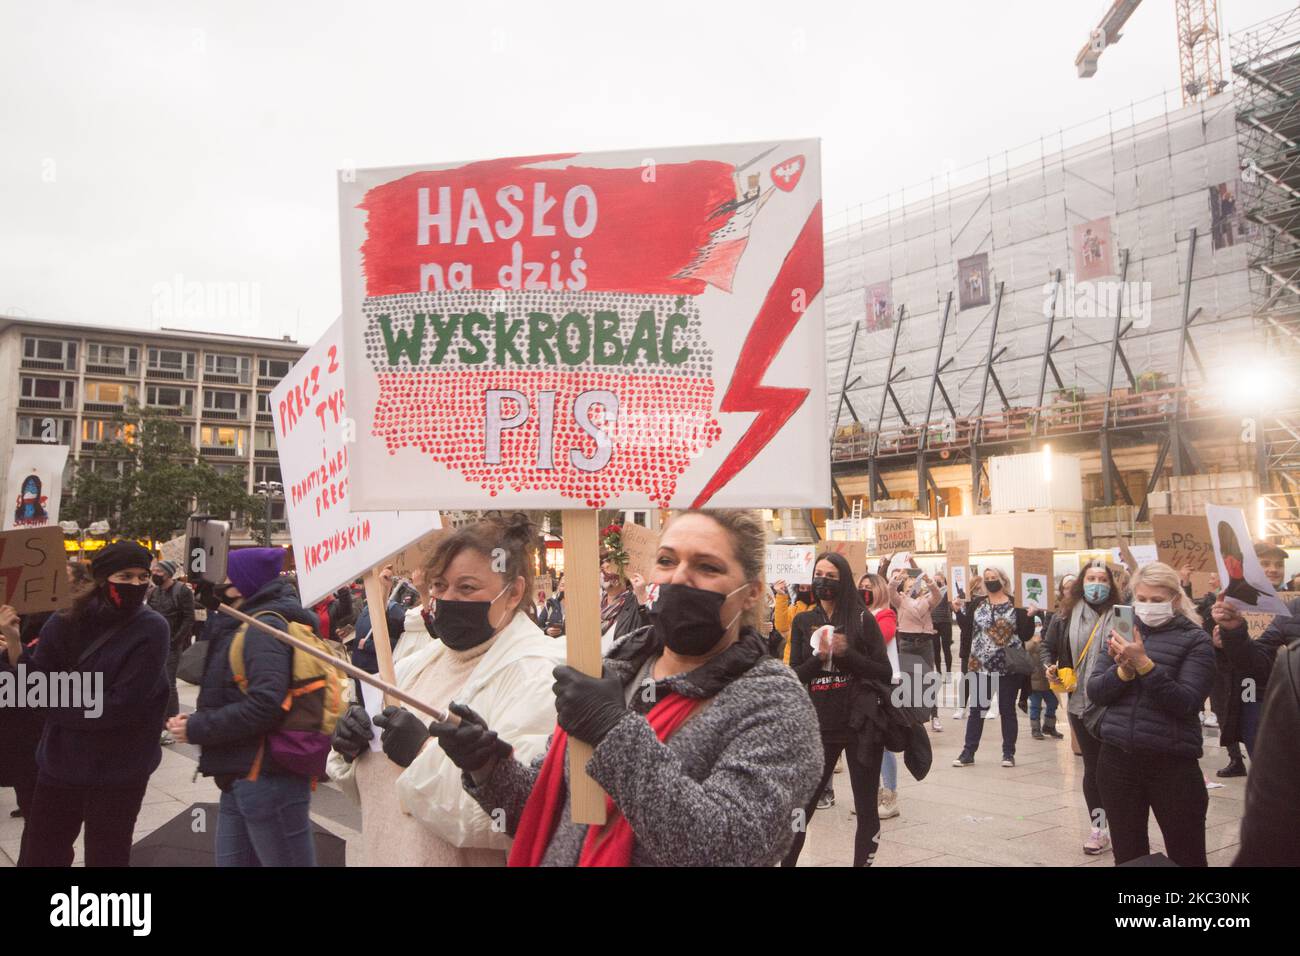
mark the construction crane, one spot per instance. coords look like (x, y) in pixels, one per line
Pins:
(1200, 60)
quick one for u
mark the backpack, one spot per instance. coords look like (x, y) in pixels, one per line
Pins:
(312, 706)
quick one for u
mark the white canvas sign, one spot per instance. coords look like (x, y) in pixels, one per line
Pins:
(34, 488)
(792, 563)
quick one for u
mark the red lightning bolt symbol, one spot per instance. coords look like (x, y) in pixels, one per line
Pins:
(802, 269)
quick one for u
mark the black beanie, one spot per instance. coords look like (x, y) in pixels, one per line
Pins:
(119, 556)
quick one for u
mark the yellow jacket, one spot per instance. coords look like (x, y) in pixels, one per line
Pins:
(783, 615)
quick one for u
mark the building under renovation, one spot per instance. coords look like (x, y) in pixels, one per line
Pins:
(1123, 293)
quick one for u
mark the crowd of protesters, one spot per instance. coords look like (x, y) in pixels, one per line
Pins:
(725, 708)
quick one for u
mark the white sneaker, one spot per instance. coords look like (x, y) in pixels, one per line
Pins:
(1098, 842)
(1211, 720)
(1008, 761)
(936, 726)
(957, 714)
(887, 806)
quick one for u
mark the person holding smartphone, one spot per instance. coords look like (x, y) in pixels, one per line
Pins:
(833, 672)
(914, 596)
(1152, 688)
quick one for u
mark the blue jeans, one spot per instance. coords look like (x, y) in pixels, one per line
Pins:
(1008, 689)
(266, 822)
(1037, 698)
(889, 771)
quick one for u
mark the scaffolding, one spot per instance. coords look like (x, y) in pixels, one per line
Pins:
(1266, 61)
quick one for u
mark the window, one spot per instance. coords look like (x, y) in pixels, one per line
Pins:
(51, 350)
(264, 440)
(264, 403)
(112, 393)
(98, 353)
(266, 473)
(56, 392)
(101, 430)
(216, 364)
(220, 436)
(39, 428)
(218, 401)
(273, 368)
(171, 360)
(166, 396)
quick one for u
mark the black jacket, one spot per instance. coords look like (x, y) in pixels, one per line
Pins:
(118, 747)
(1158, 713)
(1270, 831)
(1255, 658)
(865, 660)
(230, 724)
(176, 605)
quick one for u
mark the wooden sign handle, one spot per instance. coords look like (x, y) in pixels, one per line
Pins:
(582, 635)
(377, 602)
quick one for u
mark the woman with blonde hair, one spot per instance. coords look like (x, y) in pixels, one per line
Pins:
(1151, 690)
(996, 625)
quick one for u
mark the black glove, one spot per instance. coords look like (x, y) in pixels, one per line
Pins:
(587, 707)
(469, 744)
(352, 733)
(404, 735)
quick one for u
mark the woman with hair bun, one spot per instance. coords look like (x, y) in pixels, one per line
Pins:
(489, 657)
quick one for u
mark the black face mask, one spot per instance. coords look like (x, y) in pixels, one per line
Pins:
(826, 588)
(993, 587)
(804, 595)
(689, 620)
(867, 597)
(463, 624)
(123, 597)
(157, 579)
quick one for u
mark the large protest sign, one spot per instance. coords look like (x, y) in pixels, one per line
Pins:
(1031, 577)
(34, 487)
(855, 552)
(1183, 541)
(791, 563)
(418, 554)
(331, 544)
(589, 330)
(1244, 585)
(957, 557)
(33, 575)
(895, 534)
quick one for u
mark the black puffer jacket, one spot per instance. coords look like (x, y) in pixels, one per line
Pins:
(1157, 713)
(1270, 831)
(229, 724)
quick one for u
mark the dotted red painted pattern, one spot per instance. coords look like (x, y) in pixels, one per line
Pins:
(663, 422)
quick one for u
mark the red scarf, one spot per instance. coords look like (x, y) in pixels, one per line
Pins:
(610, 845)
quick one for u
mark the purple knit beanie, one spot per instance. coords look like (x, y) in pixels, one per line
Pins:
(251, 569)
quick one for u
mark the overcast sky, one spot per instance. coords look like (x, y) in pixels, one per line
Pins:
(142, 143)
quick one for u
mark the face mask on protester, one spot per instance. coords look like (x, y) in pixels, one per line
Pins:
(825, 588)
(124, 597)
(867, 596)
(689, 620)
(1154, 613)
(157, 579)
(464, 624)
(1096, 591)
(993, 587)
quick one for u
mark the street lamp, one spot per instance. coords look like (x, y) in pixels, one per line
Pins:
(270, 491)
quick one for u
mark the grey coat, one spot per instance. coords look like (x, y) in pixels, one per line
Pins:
(726, 787)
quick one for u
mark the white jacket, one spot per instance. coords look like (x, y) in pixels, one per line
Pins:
(510, 688)
(415, 636)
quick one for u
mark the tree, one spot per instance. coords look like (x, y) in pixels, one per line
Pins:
(157, 483)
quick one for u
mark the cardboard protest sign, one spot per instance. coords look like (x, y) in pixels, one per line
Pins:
(641, 546)
(33, 575)
(332, 545)
(34, 487)
(418, 554)
(895, 534)
(1257, 623)
(791, 563)
(1031, 577)
(1183, 541)
(956, 558)
(855, 552)
(1244, 585)
(622, 330)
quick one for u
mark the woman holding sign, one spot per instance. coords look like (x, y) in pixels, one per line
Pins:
(706, 746)
(489, 656)
(1152, 689)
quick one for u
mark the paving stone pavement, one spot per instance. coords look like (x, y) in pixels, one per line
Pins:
(983, 815)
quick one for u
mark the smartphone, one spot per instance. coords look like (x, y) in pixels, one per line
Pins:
(1123, 618)
(208, 545)
(914, 573)
(404, 594)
